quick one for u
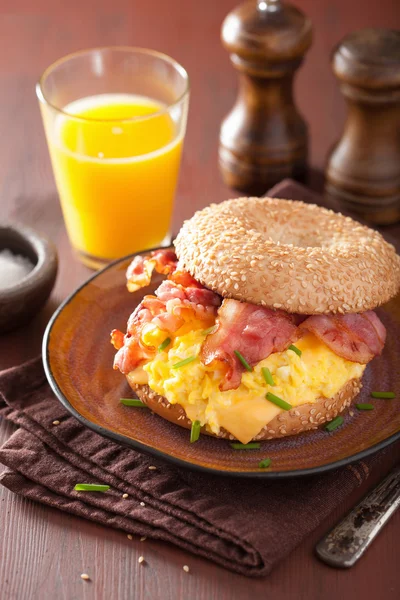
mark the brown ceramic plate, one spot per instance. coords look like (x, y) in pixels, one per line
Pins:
(78, 360)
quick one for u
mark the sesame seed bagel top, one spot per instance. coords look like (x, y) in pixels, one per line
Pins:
(288, 255)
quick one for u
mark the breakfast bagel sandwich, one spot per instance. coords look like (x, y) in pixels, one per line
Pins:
(265, 322)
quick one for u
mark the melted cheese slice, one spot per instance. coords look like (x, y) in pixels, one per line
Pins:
(245, 419)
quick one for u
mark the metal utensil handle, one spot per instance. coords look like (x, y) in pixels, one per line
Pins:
(348, 540)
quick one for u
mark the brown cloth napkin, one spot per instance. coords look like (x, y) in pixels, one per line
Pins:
(247, 526)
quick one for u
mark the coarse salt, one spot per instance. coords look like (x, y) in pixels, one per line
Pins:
(13, 268)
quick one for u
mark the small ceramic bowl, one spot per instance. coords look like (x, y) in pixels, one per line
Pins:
(20, 302)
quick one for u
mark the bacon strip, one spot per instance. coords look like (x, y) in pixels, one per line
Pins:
(185, 279)
(117, 339)
(169, 290)
(378, 325)
(168, 310)
(140, 270)
(355, 337)
(254, 331)
(184, 303)
(133, 352)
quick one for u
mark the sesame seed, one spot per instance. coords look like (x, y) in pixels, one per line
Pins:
(142, 504)
(143, 538)
(56, 422)
(125, 496)
(186, 568)
(141, 559)
(152, 468)
(85, 577)
(129, 536)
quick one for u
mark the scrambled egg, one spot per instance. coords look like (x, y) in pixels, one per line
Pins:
(317, 373)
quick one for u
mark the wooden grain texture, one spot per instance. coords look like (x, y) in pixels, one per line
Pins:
(42, 551)
(363, 171)
(264, 139)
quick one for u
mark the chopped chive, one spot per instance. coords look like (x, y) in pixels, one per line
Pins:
(383, 395)
(209, 330)
(365, 406)
(243, 361)
(164, 344)
(195, 431)
(334, 424)
(295, 349)
(184, 362)
(278, 401)
(267, 376)
(91, 487)
(264, 464)
(132, 402)
(251, 446)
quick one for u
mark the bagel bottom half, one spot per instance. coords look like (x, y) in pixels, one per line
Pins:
(301, 418)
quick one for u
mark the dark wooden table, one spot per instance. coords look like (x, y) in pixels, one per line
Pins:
(43, 551)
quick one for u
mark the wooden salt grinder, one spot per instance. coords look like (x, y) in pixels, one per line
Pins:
(264, 139)
(363, 171)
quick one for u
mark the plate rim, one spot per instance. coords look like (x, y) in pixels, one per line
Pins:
(126, 441)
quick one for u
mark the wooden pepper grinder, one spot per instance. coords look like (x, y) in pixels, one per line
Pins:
(363, 171)
(264, 139)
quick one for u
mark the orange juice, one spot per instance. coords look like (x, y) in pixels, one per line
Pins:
(116, 163)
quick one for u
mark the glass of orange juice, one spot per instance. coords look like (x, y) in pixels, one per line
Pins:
(115, 120)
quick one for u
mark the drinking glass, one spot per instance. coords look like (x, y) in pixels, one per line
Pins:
(115, 120)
